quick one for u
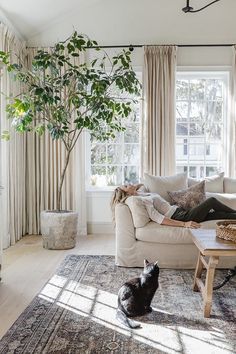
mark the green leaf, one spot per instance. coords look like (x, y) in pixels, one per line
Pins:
(39, 91)
(5, 135)
(40, 129)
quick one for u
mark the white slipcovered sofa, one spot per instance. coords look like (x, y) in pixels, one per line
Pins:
(137, 237)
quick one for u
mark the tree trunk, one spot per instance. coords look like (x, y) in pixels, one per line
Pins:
(62, 180)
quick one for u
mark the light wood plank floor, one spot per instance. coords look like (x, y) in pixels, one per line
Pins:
(27, 266)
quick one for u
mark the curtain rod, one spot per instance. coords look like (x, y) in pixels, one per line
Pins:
(178, 45)
(148, 45)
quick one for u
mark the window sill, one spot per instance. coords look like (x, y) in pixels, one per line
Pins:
(90, 189)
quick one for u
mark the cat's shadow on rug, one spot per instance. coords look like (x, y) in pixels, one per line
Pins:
(162, 317)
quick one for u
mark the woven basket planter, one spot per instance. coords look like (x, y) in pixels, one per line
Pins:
(226, 230)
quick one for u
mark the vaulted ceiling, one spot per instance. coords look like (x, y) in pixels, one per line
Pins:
(43, 22)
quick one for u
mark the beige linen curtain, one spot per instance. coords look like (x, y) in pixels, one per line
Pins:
(231, 140)
(45, 159)
(12, 153)
(158, 130)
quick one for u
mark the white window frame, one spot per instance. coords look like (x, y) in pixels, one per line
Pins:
(222, 73)
(91, 188)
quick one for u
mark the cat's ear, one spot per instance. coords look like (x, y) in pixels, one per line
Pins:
(156, 264)
(146, 262)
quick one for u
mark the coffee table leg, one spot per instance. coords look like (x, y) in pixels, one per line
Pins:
(208, 290)
(198, 272)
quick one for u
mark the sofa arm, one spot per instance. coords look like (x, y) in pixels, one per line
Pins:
(125, 236)
(125, 232)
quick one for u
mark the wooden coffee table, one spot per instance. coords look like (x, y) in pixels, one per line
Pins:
(213, 247)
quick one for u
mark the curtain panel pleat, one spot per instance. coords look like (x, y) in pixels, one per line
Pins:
(231, 138)
(12, 153)
(158, 127)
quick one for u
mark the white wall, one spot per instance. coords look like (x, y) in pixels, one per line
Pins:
(119, 22)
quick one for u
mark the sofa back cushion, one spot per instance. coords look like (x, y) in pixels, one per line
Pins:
(138, 211)
(190, 197)
(229, 185)
(215, 184)
(192, 181)
(161, 185)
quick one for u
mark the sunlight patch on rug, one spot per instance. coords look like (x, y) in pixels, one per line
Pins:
(100, 306)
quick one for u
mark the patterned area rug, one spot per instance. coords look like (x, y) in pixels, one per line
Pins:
(75, 313)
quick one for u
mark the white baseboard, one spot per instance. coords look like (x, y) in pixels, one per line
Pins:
(100, 228)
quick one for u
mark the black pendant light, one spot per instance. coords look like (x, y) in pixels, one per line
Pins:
(189, 8)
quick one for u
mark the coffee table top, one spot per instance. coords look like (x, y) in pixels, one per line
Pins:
(210, 245)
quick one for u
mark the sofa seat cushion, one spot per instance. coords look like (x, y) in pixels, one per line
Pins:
(154, 232)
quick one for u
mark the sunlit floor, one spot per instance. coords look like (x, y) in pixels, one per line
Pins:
(27, 266)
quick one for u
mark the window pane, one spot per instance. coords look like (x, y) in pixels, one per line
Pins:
(202, 171)
(98, 175)
(131, 174)
(114, 176)
(214, 153)
(117, 139)
(197, 111)
(197, 128)
(181, 109)
(182, 89)
(114, 154)
(131, 154)
(211, 171)
(214, 89)
(180, 152)
(182, 129)
(181, 169)
(197, 151)
(98, 154)
(131, 135)
(193, 171)
(197, 88)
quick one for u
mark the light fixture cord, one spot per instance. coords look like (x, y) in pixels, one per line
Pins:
(202, 7)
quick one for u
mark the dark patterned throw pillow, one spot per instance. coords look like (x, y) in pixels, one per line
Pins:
(190, 197)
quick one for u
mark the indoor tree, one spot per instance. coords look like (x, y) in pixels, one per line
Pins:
(63, 95)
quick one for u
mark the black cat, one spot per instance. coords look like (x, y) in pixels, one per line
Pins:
(135, 296)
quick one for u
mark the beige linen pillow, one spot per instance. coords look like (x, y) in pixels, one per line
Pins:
(161, 185)
(215, 183)
(229, 185)
(192, 181)
(190, 197)
(138, 211)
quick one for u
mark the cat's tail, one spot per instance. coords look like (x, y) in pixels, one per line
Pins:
(121, 316)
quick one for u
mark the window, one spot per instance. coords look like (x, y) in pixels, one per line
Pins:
(116, 161)
(201, 106)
